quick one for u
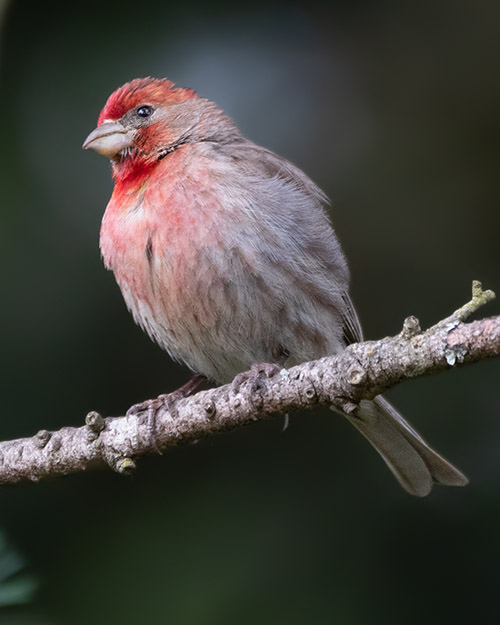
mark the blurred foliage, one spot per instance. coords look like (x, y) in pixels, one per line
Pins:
(16, 587)
(392, 108)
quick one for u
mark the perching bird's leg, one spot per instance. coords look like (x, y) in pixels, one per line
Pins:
(168, 401)
(256, 375)
(258, 372)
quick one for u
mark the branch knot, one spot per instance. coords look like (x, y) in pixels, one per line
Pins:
(411, 327)
(356, 375)
(42, 438)
(125, 466)
(95, 425)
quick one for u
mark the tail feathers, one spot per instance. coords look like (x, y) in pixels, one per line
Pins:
(415, 465)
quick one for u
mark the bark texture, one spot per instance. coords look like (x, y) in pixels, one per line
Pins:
(362, 371)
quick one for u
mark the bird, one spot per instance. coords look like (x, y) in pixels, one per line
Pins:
(225, 255)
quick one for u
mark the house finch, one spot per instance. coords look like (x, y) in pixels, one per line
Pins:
(225, 255)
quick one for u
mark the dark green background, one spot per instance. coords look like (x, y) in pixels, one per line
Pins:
(393, 109)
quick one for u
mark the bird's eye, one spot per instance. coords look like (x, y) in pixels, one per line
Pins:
(144, 111)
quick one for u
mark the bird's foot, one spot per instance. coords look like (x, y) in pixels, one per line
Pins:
(166, 401)
(256, 376)
(152, 407)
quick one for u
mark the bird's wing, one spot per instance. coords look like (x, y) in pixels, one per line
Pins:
(274, 166)
(269, 164)
(352, 328)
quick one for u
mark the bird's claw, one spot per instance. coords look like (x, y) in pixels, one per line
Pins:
(168, 401)
(256, 375)
(141, 407)
(152, 407)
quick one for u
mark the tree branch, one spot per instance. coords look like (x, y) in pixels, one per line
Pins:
(362, 371)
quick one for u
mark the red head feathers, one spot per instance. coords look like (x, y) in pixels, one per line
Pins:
(143, 91)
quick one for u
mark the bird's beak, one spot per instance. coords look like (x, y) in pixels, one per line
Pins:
(109, 139)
